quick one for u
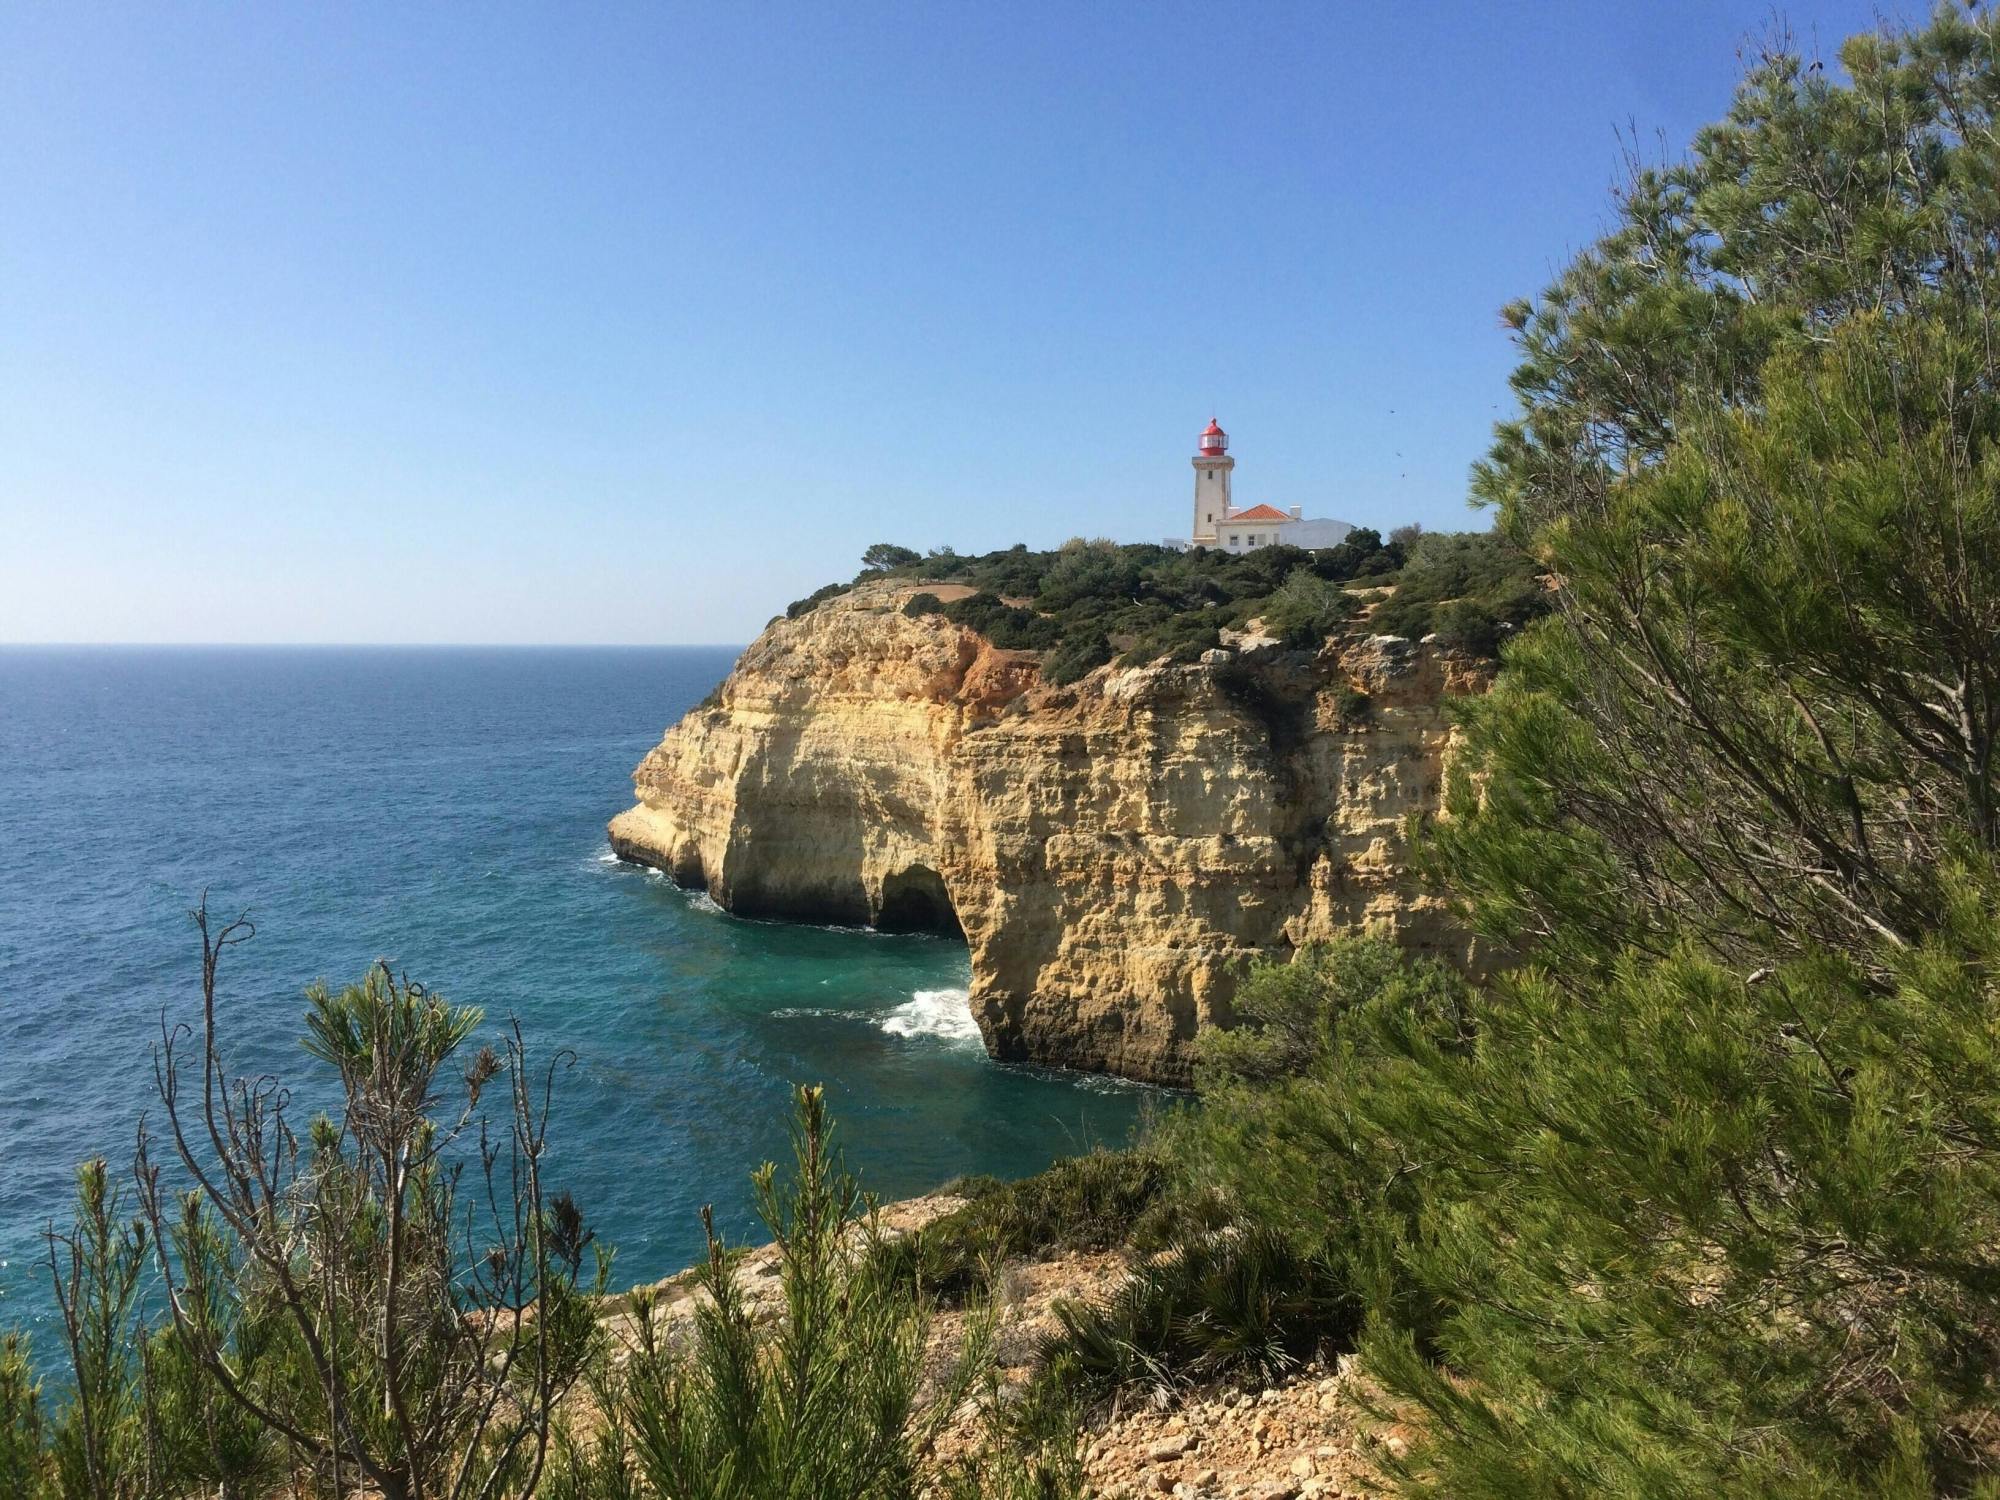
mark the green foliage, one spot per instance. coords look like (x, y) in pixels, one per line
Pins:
(1007, 626)
(201, 1440)
(886, 555)
(1697, 1235)
(1148, 603)
(1473, 589)
(1361, 557)
(1786, 625)
(1087, 1202)
(919, 605)
(816, 598)
(378, 1298)
(832, 1401)
(403, 1256)
(1076, 656)
(1097, 571)
(1305, 609)
(1284, 1137)
(1706, 1197)
(335, 1263)
(23, 1468)
(97, 1440)
(1032, 1450)
(1180, 639)
(1220, 1305)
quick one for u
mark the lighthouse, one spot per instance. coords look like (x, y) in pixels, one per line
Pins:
(1212, 464)
(1219, 524)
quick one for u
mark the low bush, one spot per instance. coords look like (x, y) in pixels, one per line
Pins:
(1219, 1305)
(1082, 1203)
(1075, 657)
(1305, 609)
(1473, 589)
(836, 1399)
(1180, 639)
(816, 598)
(1007, 626)
(919, 605)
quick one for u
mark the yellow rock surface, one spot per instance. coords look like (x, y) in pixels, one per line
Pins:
(1114, 850)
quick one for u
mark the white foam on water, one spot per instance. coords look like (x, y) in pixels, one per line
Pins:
(944, 1014)
(702, 901)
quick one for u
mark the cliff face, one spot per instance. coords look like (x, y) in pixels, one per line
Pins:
(1113, 850)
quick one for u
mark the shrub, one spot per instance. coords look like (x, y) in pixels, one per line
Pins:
(816, 598)
(1082, 1203)
(1098, 572)
(1360, 554)
(1181, 640)
(1076, 657)
(1473, 587)
(336, 1256)
(1169, 603)
(1282, 1136)
(1007, 626)
(1221, 1305)
(919, 605)
(836, 1399)
(1711, 1204)
(22, 1467)
(1305, 609)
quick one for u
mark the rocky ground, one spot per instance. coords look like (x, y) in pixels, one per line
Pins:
(1312, 1434)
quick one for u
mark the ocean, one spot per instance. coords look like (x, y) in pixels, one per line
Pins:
(444, 809)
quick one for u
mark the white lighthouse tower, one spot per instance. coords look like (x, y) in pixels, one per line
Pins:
(1211, 484)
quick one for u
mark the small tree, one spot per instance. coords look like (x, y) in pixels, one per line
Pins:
(96, 1268)
(21, 1466)
(342, 1288)
(833, 1403)
(884, 556)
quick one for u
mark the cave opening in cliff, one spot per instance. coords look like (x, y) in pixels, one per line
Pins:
(915, 900)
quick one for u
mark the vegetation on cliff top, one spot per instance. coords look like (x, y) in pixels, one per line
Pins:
(1089, 601)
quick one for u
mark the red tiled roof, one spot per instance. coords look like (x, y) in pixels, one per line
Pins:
(1259, 513)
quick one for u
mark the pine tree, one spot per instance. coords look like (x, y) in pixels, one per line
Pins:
(1712, 1203)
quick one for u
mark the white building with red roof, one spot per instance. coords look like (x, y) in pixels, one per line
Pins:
(1219, 524)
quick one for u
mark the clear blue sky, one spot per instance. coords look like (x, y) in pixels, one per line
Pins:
(610, 323)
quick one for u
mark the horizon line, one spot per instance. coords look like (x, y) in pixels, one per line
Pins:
(371, 645)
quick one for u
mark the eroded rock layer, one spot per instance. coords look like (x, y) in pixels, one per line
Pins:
(1113, 850)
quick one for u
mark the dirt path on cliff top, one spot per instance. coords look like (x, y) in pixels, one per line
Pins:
(1309, 1436)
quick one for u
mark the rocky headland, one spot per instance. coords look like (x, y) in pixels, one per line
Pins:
(1113, 850)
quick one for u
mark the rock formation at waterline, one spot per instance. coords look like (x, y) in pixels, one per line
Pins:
(1113, 850)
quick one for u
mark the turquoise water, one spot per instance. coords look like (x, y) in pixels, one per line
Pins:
(445, 809)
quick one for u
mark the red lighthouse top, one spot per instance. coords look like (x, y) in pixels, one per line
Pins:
(1213, 438)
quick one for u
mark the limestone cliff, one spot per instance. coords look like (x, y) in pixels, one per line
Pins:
(1113, 850)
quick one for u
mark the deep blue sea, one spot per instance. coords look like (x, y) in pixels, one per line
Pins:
(445, 809)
